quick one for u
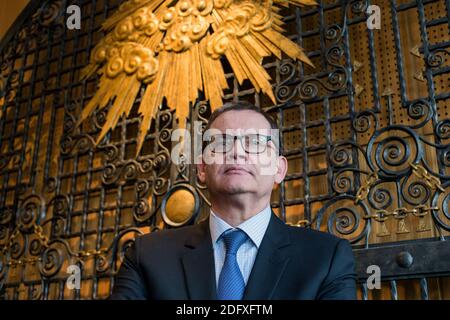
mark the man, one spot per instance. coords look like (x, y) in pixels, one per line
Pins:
(243, 251)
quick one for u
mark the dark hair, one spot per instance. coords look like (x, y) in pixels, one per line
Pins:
(239, 106)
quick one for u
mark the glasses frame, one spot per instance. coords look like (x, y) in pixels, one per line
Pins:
(238, 137)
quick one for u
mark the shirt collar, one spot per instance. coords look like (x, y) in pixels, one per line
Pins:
(255, 227)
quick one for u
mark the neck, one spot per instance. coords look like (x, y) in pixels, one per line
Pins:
(237, 208)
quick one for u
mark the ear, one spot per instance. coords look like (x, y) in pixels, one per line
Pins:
(281, 169)
(201, 169)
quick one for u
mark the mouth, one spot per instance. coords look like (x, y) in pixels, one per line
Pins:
(236, 170)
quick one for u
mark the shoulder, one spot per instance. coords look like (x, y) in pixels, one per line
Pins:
(319, 248)
(168, 238)
(315, 241)
(301, 233)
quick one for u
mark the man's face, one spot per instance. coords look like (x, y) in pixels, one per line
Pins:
(238, 171)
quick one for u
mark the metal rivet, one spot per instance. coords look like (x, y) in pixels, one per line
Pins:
(405, 259)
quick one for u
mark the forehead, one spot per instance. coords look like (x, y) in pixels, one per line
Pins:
(240, 119)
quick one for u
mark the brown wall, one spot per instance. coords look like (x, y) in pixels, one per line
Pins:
(9, 10)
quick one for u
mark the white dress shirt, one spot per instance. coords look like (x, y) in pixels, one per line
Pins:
(255, 228)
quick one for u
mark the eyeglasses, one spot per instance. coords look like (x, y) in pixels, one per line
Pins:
(251, 143)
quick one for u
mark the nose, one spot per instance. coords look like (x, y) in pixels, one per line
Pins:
(237, 150)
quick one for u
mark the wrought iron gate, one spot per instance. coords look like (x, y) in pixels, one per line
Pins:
(366, 133)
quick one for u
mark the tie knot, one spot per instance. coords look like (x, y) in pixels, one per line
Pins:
(233, 240)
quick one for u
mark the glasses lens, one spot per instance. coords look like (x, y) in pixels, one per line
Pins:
(255, 143)
(219, 143)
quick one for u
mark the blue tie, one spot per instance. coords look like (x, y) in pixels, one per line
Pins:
(231, 283)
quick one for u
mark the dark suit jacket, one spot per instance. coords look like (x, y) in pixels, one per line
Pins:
(292, 263)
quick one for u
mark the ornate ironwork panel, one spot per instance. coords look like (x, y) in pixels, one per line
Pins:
(366, 134)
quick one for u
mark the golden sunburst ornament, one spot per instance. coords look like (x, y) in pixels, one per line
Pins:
(174, 47)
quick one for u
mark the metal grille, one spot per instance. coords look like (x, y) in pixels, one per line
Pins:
(366, 134)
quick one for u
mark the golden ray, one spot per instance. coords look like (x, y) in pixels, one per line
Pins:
(174, 48)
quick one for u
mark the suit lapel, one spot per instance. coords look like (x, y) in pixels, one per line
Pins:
(270, 262)
(198, 264)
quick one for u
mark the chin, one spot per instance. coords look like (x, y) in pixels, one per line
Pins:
(233, 184)
(234, 188)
